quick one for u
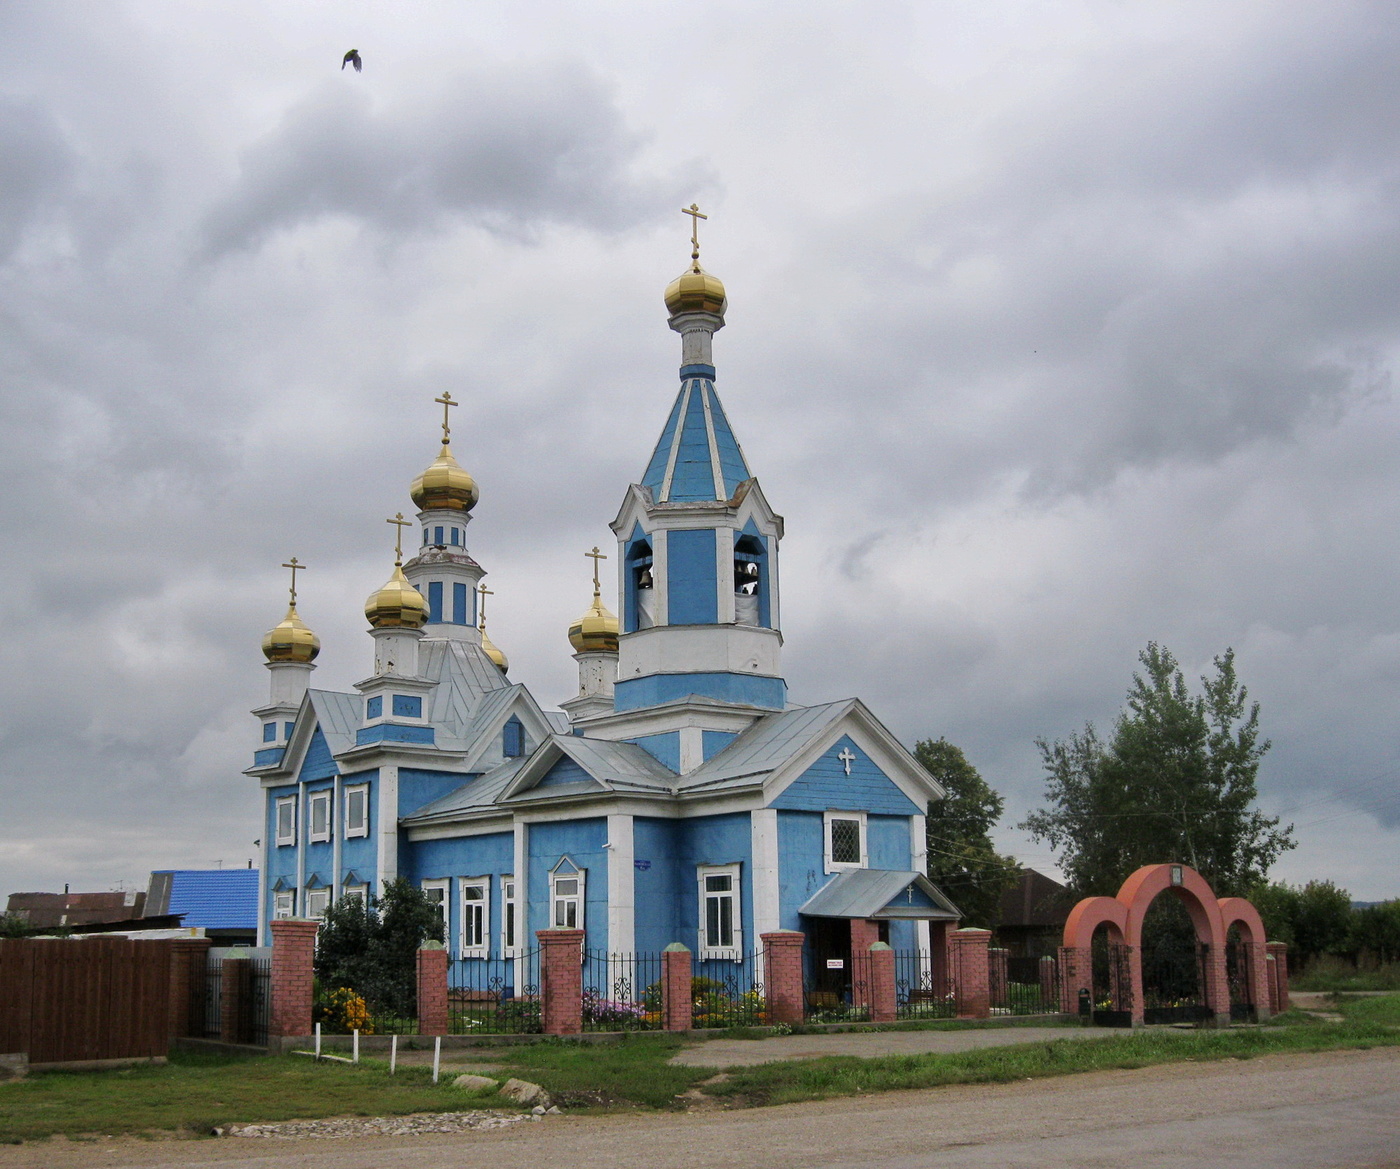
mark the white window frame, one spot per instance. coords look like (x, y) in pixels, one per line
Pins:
(284, 905)
(735, 949)
(510, 917)
(351, 791)
(444, 886)
(289, 802)
(313, 897)
(833, 866)
(326, 798)
(559, 901)
(361, 891)
(478, 908)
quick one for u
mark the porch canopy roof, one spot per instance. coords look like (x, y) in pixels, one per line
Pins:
(881, 894)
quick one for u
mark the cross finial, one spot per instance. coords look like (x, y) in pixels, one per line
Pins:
(485, 592)
(446, 402)
(696, 215)
(596, 556)
(400, 523)
(294, 564)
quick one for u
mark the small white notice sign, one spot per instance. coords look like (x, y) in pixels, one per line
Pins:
(836, 964)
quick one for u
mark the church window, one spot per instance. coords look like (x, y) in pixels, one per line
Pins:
(476, 917)
(269, 732)
(510, 944)
(513, 739)
(720, 929)
(641, 586)
(426, 541)
(437, 538)
(374, 707)
(317, 901)
(459, 603)
(566, 900)
(408, 706)
(845, 841)
(360, 891)
(318, 811)
(750, 579)
(284, 905)
(435, 600)
(287, 820)
(456, 536)
(357, 810)
(436, 892)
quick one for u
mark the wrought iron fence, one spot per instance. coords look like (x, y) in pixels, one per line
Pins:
(1031, 986)
(728, 992)
(1173, 984)
(922, 990)
(836, 986)
(1239, 972)
(210, 1004)
(260, 1006)
(621, 992)
(1112, 983)
(494, 996)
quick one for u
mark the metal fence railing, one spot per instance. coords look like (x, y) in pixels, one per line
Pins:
(621, 992)
(209, 1004)
(260, 1007)
(1025, 986)
(494, 996)
(922, 988)
(728, 992)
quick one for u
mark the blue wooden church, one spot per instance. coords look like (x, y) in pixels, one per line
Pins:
(677, 797)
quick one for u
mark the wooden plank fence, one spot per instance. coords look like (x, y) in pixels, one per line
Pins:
(64, 1001)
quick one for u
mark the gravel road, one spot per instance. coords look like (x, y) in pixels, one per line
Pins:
(1276, 1112)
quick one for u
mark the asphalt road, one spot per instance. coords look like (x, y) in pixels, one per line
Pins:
(1277, 1112)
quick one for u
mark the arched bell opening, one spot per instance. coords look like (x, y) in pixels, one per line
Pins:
(640, 611)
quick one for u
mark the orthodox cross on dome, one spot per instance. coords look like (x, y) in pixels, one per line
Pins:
(295, 564)
(596, 556)
(400, 523)
(696, 215)
(485, 592)
(446, 402)
(847, 757)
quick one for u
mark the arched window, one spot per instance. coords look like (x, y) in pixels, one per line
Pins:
(750, 581)
(513, 738)
(641, 587)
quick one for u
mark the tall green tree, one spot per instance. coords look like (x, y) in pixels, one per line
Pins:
(1177, 781)
(372, 948)
(961, 859)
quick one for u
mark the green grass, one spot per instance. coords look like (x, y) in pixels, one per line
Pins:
(194, 1093)
(632, 1072)
(1333, 974)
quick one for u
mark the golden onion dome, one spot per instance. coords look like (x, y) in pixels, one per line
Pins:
(445, 484)
(489, 648)
(397, 603)
(696, 291)
(290, 640)
(595, 631)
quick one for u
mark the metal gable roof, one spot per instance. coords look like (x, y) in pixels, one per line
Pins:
(614, 765)
(478, 792)
(214, 898)
(766, 745)
(338, 716)
(464, 674)
(867, 893)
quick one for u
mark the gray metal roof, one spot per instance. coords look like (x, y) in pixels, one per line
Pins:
(866, 893)
(617, 766)
(463, 674)
(478, 792)
(338, 716)
(766, 745)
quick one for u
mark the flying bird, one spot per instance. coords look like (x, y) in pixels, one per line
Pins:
(352, 58)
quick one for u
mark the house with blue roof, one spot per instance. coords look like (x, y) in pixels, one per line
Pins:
(679, 796)
(221, 902)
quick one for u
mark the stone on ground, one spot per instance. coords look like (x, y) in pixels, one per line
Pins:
(473, 1083)
(524, 1092)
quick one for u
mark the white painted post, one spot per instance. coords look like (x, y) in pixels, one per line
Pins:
(437, 1056)
(356, 1053)
(318, 1040)
(393, 1053)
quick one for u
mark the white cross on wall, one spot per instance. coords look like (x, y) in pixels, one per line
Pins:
(847, 757)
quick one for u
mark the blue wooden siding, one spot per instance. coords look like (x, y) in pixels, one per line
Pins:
(582, 842)
(665, 748)
(887, 842)
(713, 742)
(318, 763)
(565, 771)
(468, 856)
(825, 785)
(656, 883)
(800, 864)
(417, 788)
(692, 596)
(654, 689)
(667, 855)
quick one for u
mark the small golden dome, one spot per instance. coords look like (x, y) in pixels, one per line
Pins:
(291, 640)
(696, 291)
(595, 631)
(445, 484)
(397, 603)
(490, 649)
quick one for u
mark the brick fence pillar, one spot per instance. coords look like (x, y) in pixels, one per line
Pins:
(971, 973)
(293, 971)
(883, 1005)
(561, 981)
(1076, 974)
(236, 999)
(188, 959)
(677, 1002)
(432, 989)
(1217, 986)
(782, 985)
(1278, 980)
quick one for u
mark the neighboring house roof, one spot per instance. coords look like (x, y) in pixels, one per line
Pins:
(881, 893)
(211, 898)
(1035, 901)
(44, 910)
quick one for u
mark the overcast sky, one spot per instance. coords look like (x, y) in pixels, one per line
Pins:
(1054, 329)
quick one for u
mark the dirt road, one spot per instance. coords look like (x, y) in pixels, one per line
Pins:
(1277, 1112)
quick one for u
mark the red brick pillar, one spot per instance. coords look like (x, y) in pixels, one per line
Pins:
(432, 989)
(1278, 981)
(561, 981)
(1049, 992)
(971, 973)
(188, 959)
(1217, 986)
(1130, 996)
(236, 1002)
(782, 976)
(293, 962)
(940, 974)
(883, 1006)
(677, 1004)
(1076, 974)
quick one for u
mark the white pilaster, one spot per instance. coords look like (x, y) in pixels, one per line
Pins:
(692, 748)
(264, 852)
(387, 823)
(622, 885)
(521, 862)
(337, 831)
(763, 827)
(299, 900)
(918, 850)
